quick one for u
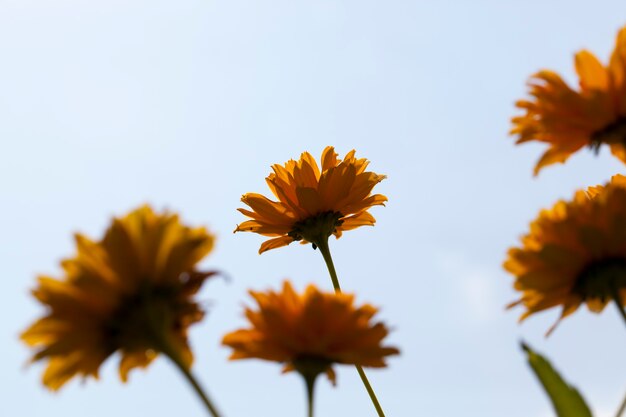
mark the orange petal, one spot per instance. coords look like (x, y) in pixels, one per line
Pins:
(275, 243)
(592, 74)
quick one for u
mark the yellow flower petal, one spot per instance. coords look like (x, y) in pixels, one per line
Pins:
(574, 253)
(315, 326)
(337, 197)
(567, 119)
(111, 293)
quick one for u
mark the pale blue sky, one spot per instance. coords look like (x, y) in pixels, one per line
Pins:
(105, 105)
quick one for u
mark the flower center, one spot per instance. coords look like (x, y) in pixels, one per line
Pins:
(602, 279)
(615, 133)
(311, 366)
(318, 228)
(142, 319)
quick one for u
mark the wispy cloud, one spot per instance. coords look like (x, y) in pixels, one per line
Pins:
(473, 284)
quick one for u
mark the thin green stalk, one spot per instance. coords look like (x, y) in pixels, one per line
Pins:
(310, 385)
(325, 251)
(195, 384)
(621, 409)
(322, 244)
(622, 312)
(618, 301)
(164, 345)
(370, 390)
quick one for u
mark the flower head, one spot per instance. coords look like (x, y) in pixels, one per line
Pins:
(574, 253)
(568, 119)
(313, 203)
(130, 292)
(313, 329)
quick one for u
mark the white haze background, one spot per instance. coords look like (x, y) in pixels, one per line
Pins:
(106, 105)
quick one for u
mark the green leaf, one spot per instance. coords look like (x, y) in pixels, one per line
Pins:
(566, 400)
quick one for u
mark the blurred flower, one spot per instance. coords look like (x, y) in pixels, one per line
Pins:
(574, 253)
(616, 181)
(131, 292)
(567, 119)
(313, 204)
(310, 331)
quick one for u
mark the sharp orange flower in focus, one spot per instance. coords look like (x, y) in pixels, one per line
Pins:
(131, 292)
(575, 253)
(313, 203)
(310, 332)
(567, 119)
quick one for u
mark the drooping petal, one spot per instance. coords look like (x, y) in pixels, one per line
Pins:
(275, 243)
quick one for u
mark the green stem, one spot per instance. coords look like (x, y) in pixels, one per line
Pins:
(310, 385)
(621, 409)
(325, 251)
(618, 302)
(370, 391)
(322, 244)
(164, 345)
(194, 383)
(622, 311)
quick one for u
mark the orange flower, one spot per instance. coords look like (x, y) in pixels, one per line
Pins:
(313, 204)
(574, 253)
(312, 329)
(567, 119)
(130, 292)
